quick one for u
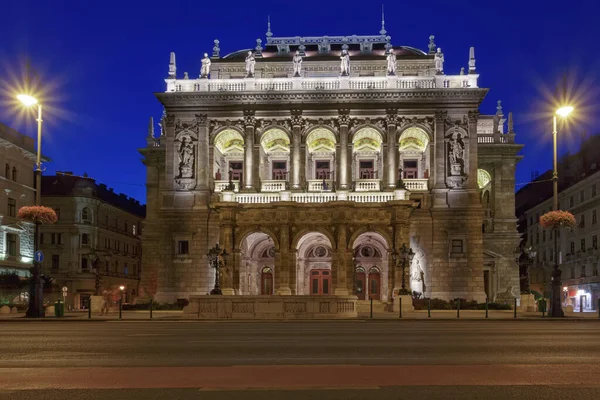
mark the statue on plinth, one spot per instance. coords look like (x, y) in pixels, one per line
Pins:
(439, 61)
(186, 158)
(345, 63)
(391, 63)
(205, 69)
(456, 155)
(297, 63)
(250, 62)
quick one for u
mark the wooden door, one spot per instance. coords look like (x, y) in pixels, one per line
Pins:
(266, 282)
(361, 280)
(320, 281)
(375, 285)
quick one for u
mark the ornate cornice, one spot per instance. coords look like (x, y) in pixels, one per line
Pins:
(434, 97)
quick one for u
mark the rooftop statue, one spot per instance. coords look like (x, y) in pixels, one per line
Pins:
(205, 69)
(250, 62)
(391, 63)
(345, 63)
(439, 61)
(297, 63)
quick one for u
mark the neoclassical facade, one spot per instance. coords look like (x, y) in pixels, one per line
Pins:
(313, 160)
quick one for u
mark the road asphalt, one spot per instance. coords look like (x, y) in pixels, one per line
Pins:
(525, 359)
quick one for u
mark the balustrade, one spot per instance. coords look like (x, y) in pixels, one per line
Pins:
(319, 185)
(415, 185)
(222, 185)
(273, 186)
(368, 185)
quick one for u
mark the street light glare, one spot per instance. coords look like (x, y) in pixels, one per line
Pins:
(27, 100)
(122, 287)
(564, 111)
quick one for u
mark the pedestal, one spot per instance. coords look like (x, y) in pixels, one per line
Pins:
(407, 304)
(400, 194)
(285, 291)
(528, 303)
(228, 291)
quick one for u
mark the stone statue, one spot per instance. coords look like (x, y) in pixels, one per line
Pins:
(250, 61)
(439, 61)
(391, 63)
(205, 69)
(186, 157)
(345, 63)
(297, 63)
(456, 154)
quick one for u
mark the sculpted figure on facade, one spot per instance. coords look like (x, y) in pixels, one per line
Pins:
(250, 62)
(456, 155)
(205, 69)
(439, 61)
(297, 63)
(186, 157)
(391, 63)
(345, 63)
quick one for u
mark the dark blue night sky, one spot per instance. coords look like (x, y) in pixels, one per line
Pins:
(100, 62)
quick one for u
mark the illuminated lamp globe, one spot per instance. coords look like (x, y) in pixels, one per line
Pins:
(27, 100)
(564, 111)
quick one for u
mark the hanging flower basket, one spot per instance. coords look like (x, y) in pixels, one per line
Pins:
(41, 214)
(555, 219)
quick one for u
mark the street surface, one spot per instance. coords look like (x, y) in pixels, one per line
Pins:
(376, 359)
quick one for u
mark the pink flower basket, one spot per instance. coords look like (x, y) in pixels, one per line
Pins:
(555, 219)
(41, 214)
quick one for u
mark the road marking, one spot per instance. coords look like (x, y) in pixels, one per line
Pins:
(244, 340)
(151, 334)
(284, 388)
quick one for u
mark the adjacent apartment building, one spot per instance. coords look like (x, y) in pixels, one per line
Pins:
(578, 254)
(95, 245)
(17, 160)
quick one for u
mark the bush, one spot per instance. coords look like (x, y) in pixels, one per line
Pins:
(439, 304)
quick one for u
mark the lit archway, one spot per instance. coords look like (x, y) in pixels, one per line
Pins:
(275, 140)
(320, 158)
(413, 138)
(257, 256)
(370, 250)
(313, 261)
(321, 140)
(367, 139)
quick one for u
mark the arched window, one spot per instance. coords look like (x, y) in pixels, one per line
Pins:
(86, 214)
(14, 174)
(7, 171)
(483, 178)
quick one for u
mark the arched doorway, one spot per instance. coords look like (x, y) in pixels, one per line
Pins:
(266, 281)
(370, 250)
(360, 283)
(374, 284)
(313, 265)
(257, 263)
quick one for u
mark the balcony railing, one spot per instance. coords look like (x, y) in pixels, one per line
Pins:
(415, 185)
(322, 83)
(314, 197)
(368, 185)
(272, 186)
(222, 185)
(320, 185)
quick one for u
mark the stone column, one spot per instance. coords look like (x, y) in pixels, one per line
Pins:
(340, 268)
(472, 155)
(202, 160)
(295, 167)
(293, 272)
(391, 123)
(227, 273)
(249, 124)
(171, 156)
(283, 256)
(438, 164)
(344, 159)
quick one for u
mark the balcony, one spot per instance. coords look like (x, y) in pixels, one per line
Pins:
(313, 197)
(322, 83)
(320, 185)
(416, 185)
(222, 185)
(273, 186)
(367, 185)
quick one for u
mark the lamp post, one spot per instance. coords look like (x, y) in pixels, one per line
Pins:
(403, 260)
(217, 258)
(555, 304)
(36, 295)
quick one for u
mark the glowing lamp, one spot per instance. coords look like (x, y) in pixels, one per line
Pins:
(564, 111)
(27, 100)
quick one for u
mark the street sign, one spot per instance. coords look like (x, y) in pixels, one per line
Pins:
(65, 289)
(39, 256)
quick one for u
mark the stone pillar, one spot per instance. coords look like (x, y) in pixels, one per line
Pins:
(344, 159)
(249, 124)
(227, 273)
(202, 160)
(171, 156)
(293, 272)
(339, 268)
(295, 165)
(350, 270)
(283, 256)
(438, 164)
(392, 151)
(473, 157)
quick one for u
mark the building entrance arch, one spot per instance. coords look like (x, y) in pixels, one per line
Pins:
(266, 281)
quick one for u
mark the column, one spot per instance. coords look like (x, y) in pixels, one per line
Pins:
(340, 268)
(249, 124)
(438, 164)
(343, 123)
(227, 273)
(202, 161)
(171, 156)
(295, 166)
(472, 155)
(282, 260)
(391, 123)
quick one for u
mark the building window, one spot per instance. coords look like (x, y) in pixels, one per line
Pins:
(552, 253)
(116, 266)
(11, 244)
(582, 221)
(106, 221)
(537, 237)
(594, 190)
(594, 217)
(85, 214)
(41, 239)
(55, 262)
(571, 201)
(583, 245)
(107, 266)
(457, 246)
(85, 239)
(544, 256)
(126, 227)
(84, 263)
(583, 271)
(12, 207)
(595, 269)
(572, 248)
(133, 229)
(582, 196)
(543, 235)
(125, 269)
(183, 247)
(7, 171)
(595, 241)
(572, 273)
(57, 211)
(14, 174)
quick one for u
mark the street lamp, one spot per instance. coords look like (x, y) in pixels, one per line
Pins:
(555, 305)
(217, 259)
(404, 260)
(36, 309)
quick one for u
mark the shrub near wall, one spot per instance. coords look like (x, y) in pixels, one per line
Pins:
(439, 304)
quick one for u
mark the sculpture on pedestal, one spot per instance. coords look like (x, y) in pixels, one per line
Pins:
(205, 69)
(456, 155)
(250, 62)
(345, 63)
(391, 63)
(186, 157)
(297, 63)
(439, 61)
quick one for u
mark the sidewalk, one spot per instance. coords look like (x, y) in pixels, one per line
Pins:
(144, 315)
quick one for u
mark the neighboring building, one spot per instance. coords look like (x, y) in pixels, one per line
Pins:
(17, 161)
(578, 254)
(97, 236)
(315, 162)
